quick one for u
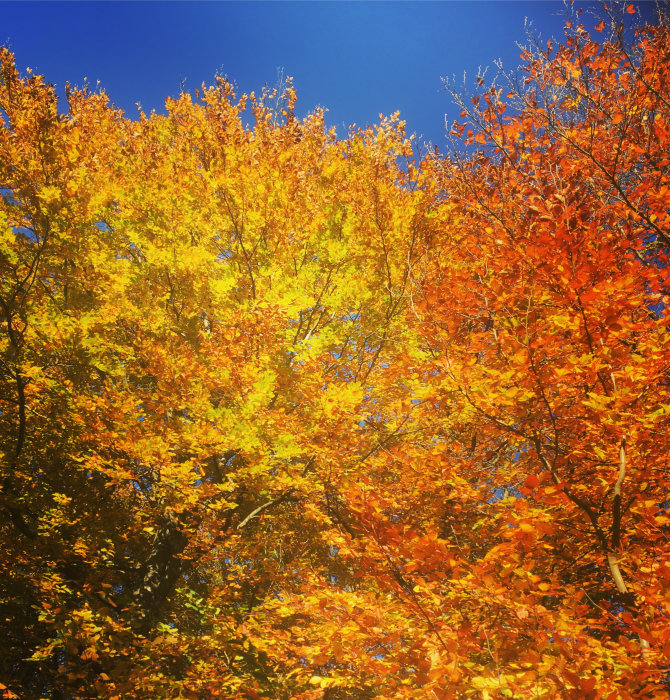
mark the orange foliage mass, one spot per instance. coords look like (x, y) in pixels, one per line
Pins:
(291, 416)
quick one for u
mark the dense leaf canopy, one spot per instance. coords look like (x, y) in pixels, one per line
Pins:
(287, 415)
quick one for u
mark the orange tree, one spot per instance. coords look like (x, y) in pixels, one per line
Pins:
(545, 308)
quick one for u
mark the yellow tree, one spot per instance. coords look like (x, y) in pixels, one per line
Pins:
(200, 324)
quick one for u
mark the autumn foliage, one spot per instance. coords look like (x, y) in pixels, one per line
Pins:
(287, 415)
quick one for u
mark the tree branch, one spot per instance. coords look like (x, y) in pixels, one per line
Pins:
(257, 511)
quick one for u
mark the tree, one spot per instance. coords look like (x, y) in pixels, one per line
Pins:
(554, 354)
(291, 416)
(198, 317)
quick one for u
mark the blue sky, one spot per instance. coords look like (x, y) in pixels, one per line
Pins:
(357, 59)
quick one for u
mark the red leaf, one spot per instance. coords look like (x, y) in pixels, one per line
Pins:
(531, 482)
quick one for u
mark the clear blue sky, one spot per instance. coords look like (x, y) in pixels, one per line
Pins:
(355, 58)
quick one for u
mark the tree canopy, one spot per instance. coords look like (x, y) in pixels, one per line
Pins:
(288, 415)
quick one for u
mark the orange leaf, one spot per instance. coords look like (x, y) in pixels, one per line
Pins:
(89, 653)
(522, 613)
